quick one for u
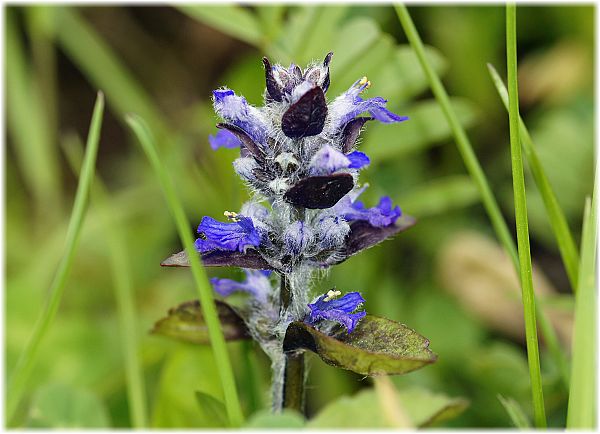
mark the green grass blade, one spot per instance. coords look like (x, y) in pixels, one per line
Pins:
(474, 168)
(539, 411)
(122, 281)
(29, 129)
(582, 396)
(462, 141)
(558, 221)
(27, 358)
(104, 70)
(205, 292)
(515, 412)
(232, 20)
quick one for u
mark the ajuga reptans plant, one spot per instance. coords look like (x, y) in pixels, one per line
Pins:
(299, 160)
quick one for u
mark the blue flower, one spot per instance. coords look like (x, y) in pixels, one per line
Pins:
(257, 283)
(349, 105)
(296, 238)
(235, 109)
(340, 310)
(223, 139)
(237, 235)
(382, 215)
(329, 160)
(358, 160)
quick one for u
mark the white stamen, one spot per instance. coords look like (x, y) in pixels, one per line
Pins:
(233, 216)
(331, 294)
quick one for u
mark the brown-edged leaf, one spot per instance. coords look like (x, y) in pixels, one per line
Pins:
(377, 346)
(351, 133)
(319, 192)
(363, 235)
(221, 258)
(306, 117)
(186, 323)
(273, 89)
(247, 142)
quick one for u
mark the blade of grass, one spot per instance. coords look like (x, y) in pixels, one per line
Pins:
(28, 127)
(104, 69)
(232, 20)
(515, 412)
(27, 358)
(122, 283)
(462, 141)
(520, 199)
(582, 397)
(205, 292)
(474, 168)
(558, 221)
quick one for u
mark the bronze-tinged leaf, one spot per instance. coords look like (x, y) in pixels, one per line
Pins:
(186, 323)
(363, 235)
(273, 89)
(247, 142)
(306, 117)
(377, 346)
(319, 192)
(221, 258)
(351, 133)
(327, 80)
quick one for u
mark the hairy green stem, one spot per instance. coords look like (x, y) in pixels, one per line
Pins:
(539, 412)
(27, 358)
(293, 380)
(205, 292)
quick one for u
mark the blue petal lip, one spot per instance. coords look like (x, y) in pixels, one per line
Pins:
(237, 235)
(358, 160)
(339, 310)
(223, 139)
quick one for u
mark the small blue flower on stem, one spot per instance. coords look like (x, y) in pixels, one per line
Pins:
(237, 235)
(349, 105)
(384, 214)
(235, 109)
(329, 160)
(223, 139)
(257, 284)
(358, 160)
(327, 307)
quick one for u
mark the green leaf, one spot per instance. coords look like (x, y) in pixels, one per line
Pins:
(212, 408)
(232, 20)
(186, 323)
(186, 371)
(377, 346)
(440, 195)
(365, 410)
(266, 419)
(62, 406)
(354, 39)
(369, 64)
(426, 408)
(401, 77)
(582, 395)
(515, 412)
(318, 40)
(425, 128)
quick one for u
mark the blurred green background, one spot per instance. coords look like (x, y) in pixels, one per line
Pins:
(446, 277)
